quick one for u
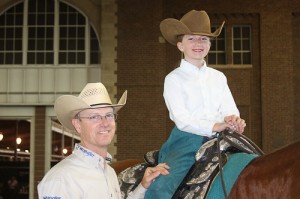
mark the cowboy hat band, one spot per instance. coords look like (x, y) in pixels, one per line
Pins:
(93, 95)
(192, 23)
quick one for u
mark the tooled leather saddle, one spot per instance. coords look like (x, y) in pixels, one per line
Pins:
(200, 176)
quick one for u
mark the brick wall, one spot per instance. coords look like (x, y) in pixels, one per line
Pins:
(277, 85)
(39, 147)
(142, 122)
(296, 72)
(265, 93)
(135, 58)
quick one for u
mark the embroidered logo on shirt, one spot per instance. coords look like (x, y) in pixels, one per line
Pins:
(88, 153)
(52, 197)
(108, 159)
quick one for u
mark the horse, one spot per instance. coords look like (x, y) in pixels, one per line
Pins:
(269, 176)
(121, 165)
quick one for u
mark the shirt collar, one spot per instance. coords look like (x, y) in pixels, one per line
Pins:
(192, 69)
(91, 157)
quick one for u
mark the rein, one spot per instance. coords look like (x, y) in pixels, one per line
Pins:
(250, 148)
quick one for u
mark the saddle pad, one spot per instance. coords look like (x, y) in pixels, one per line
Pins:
(235, 164)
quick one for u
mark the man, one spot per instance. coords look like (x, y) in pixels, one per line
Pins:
(86, 172)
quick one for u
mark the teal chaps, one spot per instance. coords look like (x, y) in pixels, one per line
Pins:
(179, 153)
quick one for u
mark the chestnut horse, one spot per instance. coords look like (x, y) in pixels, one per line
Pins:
(121, 165)
(270, 176)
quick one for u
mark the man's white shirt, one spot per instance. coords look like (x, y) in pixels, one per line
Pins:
(83, 174)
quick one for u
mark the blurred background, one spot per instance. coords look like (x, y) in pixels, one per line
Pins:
(50, 48)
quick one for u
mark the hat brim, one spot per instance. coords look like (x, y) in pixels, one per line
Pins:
(67, 106)
(172, 28)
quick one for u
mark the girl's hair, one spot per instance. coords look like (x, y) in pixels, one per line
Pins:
(179, 38)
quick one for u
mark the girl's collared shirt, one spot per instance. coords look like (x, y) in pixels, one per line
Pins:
(198, 98)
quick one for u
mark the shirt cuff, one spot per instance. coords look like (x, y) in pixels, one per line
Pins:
(139, 192)
(141, 189)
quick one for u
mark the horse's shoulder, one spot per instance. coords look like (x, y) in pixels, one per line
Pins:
(121, 165)
(282, 156)
(274, 175)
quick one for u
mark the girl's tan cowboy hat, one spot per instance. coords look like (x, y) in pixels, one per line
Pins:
(192, 23)
(93, 95)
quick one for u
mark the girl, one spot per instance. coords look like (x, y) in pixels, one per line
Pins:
(198, 99)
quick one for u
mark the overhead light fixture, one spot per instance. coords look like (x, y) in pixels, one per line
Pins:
(1, 136)
(65, 151)
(18, 140)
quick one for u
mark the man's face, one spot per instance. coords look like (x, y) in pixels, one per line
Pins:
(96, 128)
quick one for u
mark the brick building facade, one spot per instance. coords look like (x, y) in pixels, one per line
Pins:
(265, 92)
(135, 57)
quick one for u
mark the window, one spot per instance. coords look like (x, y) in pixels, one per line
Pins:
(11, 26)
(47, 48)
(217, 53)
(72, 36)
(234, 46)
(94, 55)
(40, 32)
(56, 34)
(241, 38)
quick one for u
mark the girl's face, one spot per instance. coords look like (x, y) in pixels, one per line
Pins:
(194, 48)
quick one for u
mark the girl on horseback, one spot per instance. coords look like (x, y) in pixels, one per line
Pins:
(198, 98)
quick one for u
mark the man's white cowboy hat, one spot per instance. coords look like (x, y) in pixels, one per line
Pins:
(192, 23)
(93, 95)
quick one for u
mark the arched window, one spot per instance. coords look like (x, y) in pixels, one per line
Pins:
(47, 48)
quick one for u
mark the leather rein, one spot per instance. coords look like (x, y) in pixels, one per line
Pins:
(251, 148)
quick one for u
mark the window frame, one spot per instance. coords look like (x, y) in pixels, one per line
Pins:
(240, 19)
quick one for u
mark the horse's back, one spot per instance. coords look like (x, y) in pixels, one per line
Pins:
(121, 165)
(275, 175)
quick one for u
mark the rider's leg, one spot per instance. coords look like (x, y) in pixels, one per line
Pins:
(179, 153)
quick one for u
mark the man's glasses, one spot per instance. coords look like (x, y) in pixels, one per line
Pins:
(97, 118)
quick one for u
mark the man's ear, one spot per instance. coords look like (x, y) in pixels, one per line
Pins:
(76, 125)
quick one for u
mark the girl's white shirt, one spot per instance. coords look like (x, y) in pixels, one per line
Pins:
(198, 98)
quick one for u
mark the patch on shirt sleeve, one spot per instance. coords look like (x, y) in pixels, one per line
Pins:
(52, 197)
